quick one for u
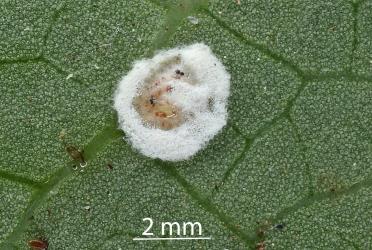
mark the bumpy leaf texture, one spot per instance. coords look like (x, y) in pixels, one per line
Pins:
(291, 170)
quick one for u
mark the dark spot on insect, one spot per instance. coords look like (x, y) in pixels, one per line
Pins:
(333, 189)
(38, 244)
(179, 72)
(109, 166)
(169, 89)
(210, 104)
(75, 153)
(152, 100)
(279, 226)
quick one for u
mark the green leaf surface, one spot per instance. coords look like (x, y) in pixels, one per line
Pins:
(291, 170)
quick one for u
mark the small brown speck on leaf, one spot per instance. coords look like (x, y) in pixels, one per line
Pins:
(260, 246)
(75, 153)
(38, 244)
(109, 166)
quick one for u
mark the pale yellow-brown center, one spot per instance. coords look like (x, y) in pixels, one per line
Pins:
(155, 109)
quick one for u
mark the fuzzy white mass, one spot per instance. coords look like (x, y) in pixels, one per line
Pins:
(205, 99)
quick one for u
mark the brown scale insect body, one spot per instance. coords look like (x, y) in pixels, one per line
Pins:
(75, 153)
(154, 107)
(38, 244)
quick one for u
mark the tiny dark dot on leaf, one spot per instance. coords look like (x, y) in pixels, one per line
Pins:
(279, 226)
(109, 166)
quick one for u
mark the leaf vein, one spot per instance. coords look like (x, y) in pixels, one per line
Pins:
(233, 166)
(205, 203)
(20, 179)
(260, 47)
(99, 141)
(311, 199)
(54, 18)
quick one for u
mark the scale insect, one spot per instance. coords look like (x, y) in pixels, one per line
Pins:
(77, 155)
(171, 105)
(38, 244)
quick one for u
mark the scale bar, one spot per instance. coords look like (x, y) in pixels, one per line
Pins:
(177, 238)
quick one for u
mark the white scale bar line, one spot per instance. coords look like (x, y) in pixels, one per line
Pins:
(178, 238)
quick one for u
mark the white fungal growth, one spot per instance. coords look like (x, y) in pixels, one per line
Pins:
(171, 105)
